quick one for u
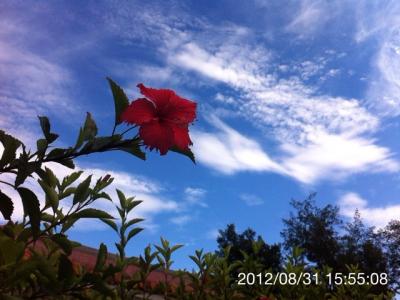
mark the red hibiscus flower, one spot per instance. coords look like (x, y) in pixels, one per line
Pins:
(163, 117)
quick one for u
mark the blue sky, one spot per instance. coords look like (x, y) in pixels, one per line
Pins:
(292, 98)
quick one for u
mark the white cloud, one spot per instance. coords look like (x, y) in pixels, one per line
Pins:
(287, 110)
(384, 91)
(181, 220)
(336, 156)
(251, 200)
(324, 157)
(224, 64)
(373, 216)
(306, 123)
(286, 106)
(374, 18)
(194, 196)
(379, 23)
(309, 18)
(228, 151)
(32, 85)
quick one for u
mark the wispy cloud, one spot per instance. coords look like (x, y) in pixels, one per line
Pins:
(335, 157)
(309, 17)
(303, 122)
(181, 220)
(384, 92)
(32, 83)
(228, 151)
(373, 216)
(379, 24)
(325, 156)
(195, 196)
(251, 200)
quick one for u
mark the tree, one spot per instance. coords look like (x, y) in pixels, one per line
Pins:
(361, 246)
(391, 239)
(314, 230)
(268, 255)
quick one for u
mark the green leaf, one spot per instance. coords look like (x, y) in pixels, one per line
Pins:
(92, 213)
(88, 132)
(47, 217)
(80, 140)
(119, 247)
(62, 241)
(121, 101)
(66, 193)
(101, 142)
(111, 224)
(70, 179)
(6, 206)
(51, 194)
(68, 223)
(90, 128)
(176, 247)
(102, 195)
(47, 269)
(187, 153)
(82, 191)
(133, 232)
(133, 204)
(41, 145)
(51, 178)
(134, 149)
(57, 153)
(65, 269)
(121, 212)
(48, 177)
(122, 199)
(45, 125)
(69, 163)
(25, 169)
(31, 208)
(164, 243)
(101, 258)
(133, 221)
(103, 182)
(10, 145)
(10, 250)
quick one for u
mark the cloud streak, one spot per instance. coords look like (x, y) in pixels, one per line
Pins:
(329, 156)
(373, 216)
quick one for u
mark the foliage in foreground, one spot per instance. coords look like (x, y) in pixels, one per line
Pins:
(35, 253)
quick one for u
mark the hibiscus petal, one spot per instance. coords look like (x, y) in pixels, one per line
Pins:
(157, 135)
(139, 112)
(181, 110)
(160, 97)
(181, 137)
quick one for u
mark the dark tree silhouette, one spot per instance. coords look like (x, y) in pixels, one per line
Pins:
(314, 230)
(361, 246)
(327, 241)
(269, 255)
(391, 239)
